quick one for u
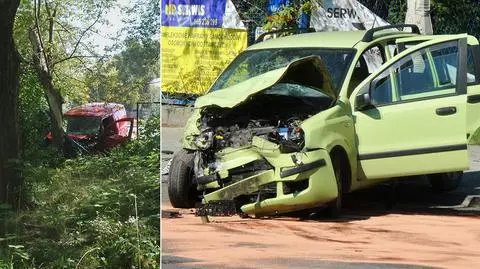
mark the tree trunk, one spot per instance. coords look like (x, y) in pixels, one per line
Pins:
(54, 98)
(9, 90)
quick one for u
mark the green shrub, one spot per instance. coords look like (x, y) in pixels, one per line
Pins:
(99, 211)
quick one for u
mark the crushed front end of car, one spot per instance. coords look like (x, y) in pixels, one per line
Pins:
(248, 144)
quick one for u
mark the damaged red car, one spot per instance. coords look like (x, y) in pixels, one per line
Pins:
(96, 127)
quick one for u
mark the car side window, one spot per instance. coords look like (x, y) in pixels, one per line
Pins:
(369, 62)
(452, 70)
(109, 127)
(471, 78)
(374, 59)
(429, 72)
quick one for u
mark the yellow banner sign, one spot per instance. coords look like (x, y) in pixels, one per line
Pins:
(192, 58)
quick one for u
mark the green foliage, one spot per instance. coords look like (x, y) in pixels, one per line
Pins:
(397, 11)
(124, 76)
(63, 28)
(96, 211)
(17, 258)
(33, 117)
(288, 16)
(475, 138)
(105, 84)
(253, 12)
(144, 20)
(449, 17)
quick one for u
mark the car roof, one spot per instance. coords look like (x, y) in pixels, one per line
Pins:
(94, 110)
(317, 39)
(337, 39)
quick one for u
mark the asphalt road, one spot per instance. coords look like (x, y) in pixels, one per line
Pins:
(413, 197)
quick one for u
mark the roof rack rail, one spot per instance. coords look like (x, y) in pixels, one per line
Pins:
(368, 37)
(286, 30)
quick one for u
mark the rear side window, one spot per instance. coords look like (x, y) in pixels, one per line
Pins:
(445, 61)
(426, 73)
(471, 61)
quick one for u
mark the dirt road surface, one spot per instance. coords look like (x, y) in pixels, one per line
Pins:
(423, 230)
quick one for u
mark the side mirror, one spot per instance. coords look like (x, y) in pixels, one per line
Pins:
(363, 100)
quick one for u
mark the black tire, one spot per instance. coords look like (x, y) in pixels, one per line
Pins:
(182, 191)
(445, 181)
(334, 208)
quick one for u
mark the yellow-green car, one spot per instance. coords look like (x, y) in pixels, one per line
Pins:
(295, 122)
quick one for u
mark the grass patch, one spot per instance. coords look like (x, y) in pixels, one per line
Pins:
(97, 211)
(475, 138)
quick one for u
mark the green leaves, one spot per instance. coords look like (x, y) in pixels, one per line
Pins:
(89, 203)
(288, 16)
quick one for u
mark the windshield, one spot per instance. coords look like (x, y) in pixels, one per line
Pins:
(83, 125)
(296, 90)
(256, 62)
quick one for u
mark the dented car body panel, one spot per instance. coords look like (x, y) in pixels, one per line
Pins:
(295, 186)
(272, 141)
(300, 71)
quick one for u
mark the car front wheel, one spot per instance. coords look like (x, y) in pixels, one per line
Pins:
(445, 181)
(182, 190)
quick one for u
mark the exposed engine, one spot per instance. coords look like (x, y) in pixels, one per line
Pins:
(276, 118)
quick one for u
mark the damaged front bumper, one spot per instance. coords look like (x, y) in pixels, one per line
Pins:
(263, 181)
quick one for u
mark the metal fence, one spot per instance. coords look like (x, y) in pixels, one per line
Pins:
(448, 16)
(143, 111)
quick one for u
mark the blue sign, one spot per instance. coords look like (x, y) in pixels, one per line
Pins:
(275, 5)
(193, 13)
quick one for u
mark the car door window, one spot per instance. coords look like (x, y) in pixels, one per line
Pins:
(471, 73)
(426, 73)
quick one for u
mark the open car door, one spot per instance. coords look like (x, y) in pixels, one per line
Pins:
(473, 79)
(410, 115)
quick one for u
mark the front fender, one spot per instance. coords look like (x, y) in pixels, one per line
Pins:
(331, 128)
(191, 130)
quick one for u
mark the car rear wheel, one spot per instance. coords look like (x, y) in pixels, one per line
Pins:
(182, 190)
(445, 181)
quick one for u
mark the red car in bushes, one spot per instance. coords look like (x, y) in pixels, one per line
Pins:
(96, 127)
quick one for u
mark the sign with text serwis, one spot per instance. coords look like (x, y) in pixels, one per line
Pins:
(198, 39)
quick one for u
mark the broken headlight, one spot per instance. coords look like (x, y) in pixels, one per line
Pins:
(291, 139)
(204, 140)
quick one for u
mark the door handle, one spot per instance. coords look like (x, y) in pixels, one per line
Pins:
(473, 99)
(443, 111)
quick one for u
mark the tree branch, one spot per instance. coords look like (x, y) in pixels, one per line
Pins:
(41, 49)
(60, 37)
(77, 57)
(51, 20)
(63, 27)
(81, 37)
(68, 76)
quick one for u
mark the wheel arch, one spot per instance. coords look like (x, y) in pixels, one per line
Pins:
(339, 152)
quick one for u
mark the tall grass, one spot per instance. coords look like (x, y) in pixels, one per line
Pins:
(97, 211)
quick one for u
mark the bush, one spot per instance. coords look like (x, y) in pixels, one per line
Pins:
(95, 211)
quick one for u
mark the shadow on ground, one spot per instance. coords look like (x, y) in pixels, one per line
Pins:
(408, 196)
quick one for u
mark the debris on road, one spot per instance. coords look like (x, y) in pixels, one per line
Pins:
(166, 167)
(171, 213)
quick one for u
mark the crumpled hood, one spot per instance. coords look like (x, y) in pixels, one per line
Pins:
(309, 71)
